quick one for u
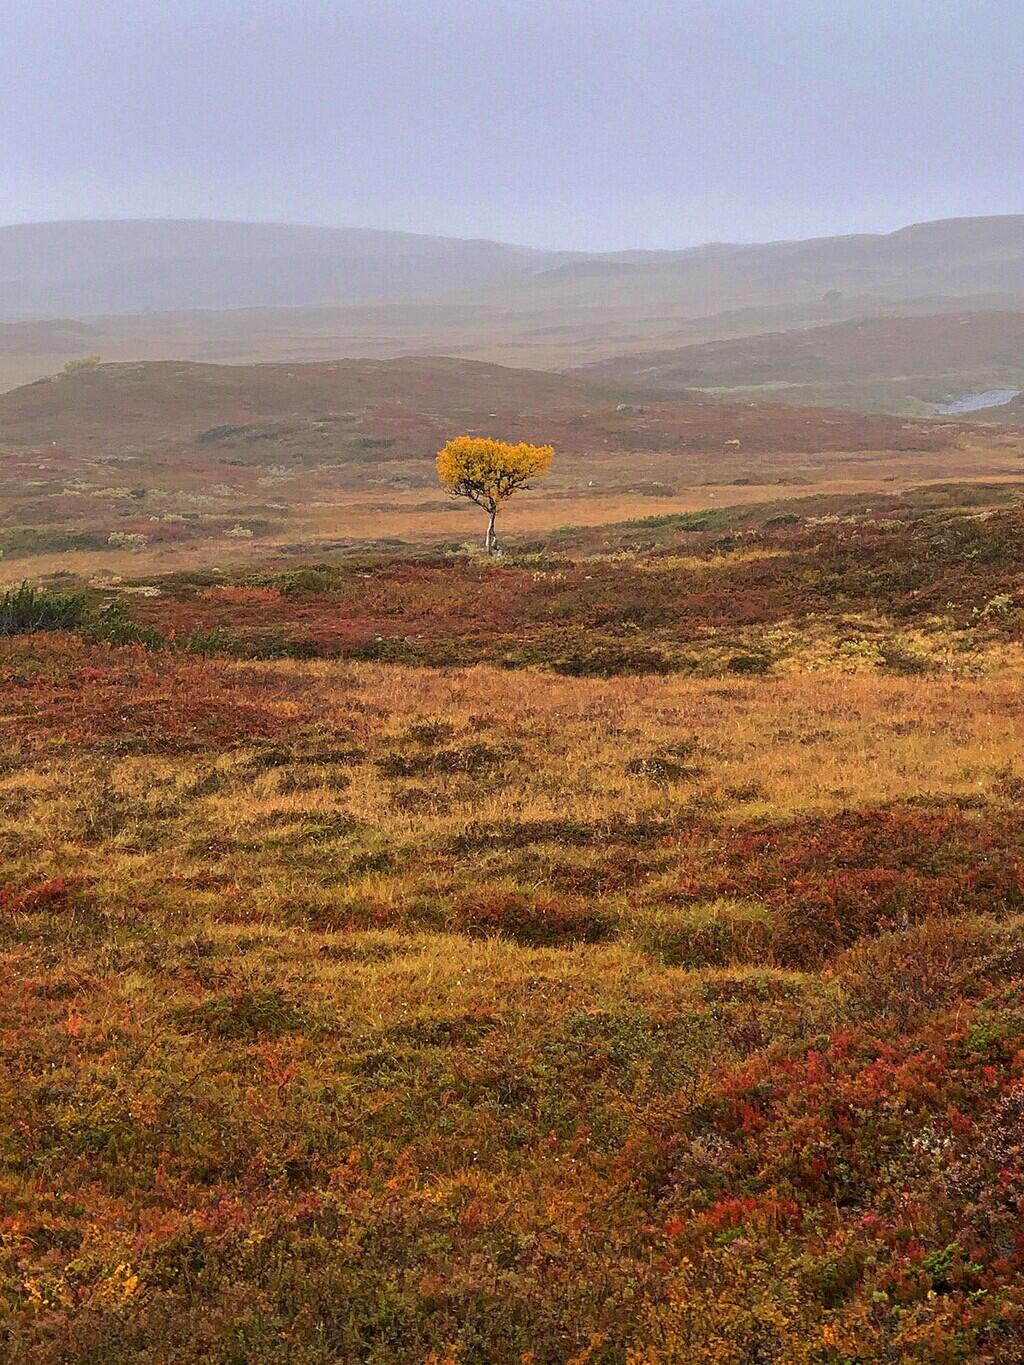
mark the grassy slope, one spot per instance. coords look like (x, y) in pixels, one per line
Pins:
(361, 1011)
(199, 465)
(889, 363)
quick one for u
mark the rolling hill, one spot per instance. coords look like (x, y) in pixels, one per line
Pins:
(895, 362)
(89, 268)
(130, 467)
(243, 293)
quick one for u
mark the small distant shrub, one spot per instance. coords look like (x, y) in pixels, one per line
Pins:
(470, 759)
(312, 578)
(663, 768)
(127, 540)
(277, 646)
(372, 442)
(894, 658)
(215, 640)
(116, 625)
(748, 663)
(210, 642)
(430, 733)
(265, 760)
(26, 609)
(250, 431)
(221, 433)
(608, 661)
(82, 363)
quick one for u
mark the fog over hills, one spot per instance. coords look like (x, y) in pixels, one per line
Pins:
(81, 269)
(241, 293)
(54, 269)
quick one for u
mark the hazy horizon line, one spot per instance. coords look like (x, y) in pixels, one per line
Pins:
(502, 241)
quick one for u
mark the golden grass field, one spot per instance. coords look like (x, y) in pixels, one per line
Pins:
(362, 1012)
(607, 953)
(806, 743)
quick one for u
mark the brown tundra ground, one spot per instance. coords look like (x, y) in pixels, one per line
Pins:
(607, 954)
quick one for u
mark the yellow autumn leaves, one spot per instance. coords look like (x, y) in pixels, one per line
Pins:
(487, 471)
(494, 469)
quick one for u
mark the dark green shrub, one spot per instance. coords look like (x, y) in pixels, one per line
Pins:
(115, 625)
(901, 662)
(611, 660)
(310, 578)
(215, 641)
(26, 609)
(748, 663)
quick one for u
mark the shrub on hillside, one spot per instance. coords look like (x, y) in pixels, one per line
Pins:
(116, 625)
(80, 364)
(26, 609)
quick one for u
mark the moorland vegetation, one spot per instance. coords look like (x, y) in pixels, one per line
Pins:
(606, 953)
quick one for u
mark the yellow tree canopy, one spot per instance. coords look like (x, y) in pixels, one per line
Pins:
(489, 471)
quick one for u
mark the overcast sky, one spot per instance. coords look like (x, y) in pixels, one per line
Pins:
(566, 123)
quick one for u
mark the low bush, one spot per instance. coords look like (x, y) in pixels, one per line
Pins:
(116, 626)
(26, 609)
(713, 934)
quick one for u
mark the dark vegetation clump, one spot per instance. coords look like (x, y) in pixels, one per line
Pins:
(243, 1014)
(471, 759)
(25, 609)
(535, 922)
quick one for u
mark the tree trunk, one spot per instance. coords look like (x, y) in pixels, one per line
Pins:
(490, 539)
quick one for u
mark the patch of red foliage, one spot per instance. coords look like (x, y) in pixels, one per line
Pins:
(533, 921)
(129, 699)
(831, 879)
(52, 894)
(898, 1161)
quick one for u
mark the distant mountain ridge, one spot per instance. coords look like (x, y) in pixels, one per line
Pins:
(93, 268)
(96, 268)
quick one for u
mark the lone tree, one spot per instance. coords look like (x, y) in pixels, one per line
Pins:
(487, 472)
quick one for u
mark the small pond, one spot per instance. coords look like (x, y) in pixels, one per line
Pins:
(975, 402)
